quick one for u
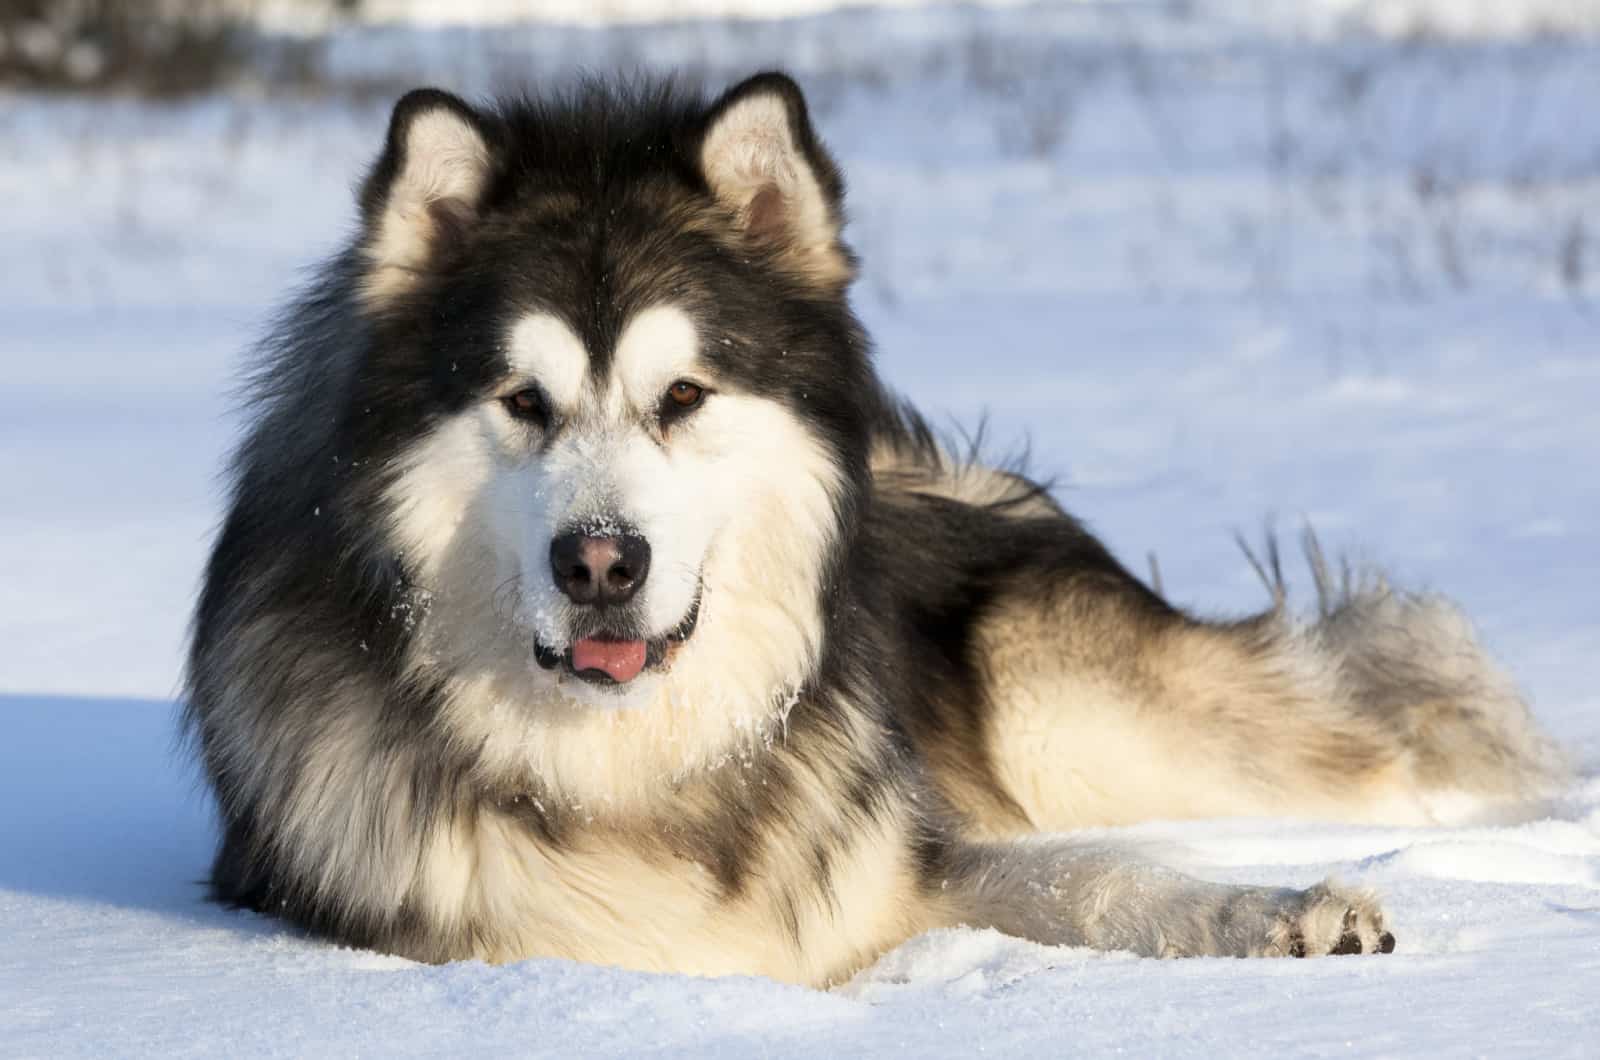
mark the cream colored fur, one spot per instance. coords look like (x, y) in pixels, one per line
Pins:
(617, 898)
(950, 477)
(1385, 711)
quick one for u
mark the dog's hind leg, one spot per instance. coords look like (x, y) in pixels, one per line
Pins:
(1062, 892)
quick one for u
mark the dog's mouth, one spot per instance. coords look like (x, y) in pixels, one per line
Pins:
(606, 658)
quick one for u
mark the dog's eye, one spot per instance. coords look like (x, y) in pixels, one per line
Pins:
(684, 394)
(528, 404)
(680, 399)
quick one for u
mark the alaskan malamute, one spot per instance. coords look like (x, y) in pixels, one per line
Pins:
(585, 594)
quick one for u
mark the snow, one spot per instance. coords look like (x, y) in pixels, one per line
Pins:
(1213, 263)
(1390, 18)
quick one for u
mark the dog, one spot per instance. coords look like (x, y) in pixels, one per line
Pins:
(583, 593)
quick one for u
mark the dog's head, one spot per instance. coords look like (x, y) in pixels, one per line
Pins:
(612, 335)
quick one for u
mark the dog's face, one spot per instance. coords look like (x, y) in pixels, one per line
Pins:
(616, 495)
(641, 386)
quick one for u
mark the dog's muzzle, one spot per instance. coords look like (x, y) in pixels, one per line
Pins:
(608, 659)
(601, 569)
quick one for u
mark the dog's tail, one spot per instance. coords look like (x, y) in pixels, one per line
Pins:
(1406, 671)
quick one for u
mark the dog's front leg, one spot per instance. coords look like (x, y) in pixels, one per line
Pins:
(1094, 894)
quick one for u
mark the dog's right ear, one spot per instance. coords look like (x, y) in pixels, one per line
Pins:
(425, 189)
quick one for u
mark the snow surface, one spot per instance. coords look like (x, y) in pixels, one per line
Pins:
(1391, 18)
(1212, 268)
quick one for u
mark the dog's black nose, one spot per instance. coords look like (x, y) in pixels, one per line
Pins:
(593, 569)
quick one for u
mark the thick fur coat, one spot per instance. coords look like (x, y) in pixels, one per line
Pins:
(584, 593)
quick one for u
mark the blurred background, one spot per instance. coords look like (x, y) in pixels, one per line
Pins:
(1213, 261)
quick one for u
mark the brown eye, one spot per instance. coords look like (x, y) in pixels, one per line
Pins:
(528, 404)
(684, 394)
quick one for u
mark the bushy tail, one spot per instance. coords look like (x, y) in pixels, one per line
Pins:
(1410, 665)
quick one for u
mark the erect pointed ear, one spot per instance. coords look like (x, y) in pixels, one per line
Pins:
(762, 161)
(425, 189)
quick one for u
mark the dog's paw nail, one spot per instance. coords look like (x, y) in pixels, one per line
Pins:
(1385, 943)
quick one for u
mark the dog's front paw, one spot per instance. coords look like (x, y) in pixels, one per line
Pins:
(1329, 919)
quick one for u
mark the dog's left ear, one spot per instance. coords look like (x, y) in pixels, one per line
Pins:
(763, 162)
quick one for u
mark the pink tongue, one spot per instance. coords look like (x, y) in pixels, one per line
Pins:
(622, 659)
